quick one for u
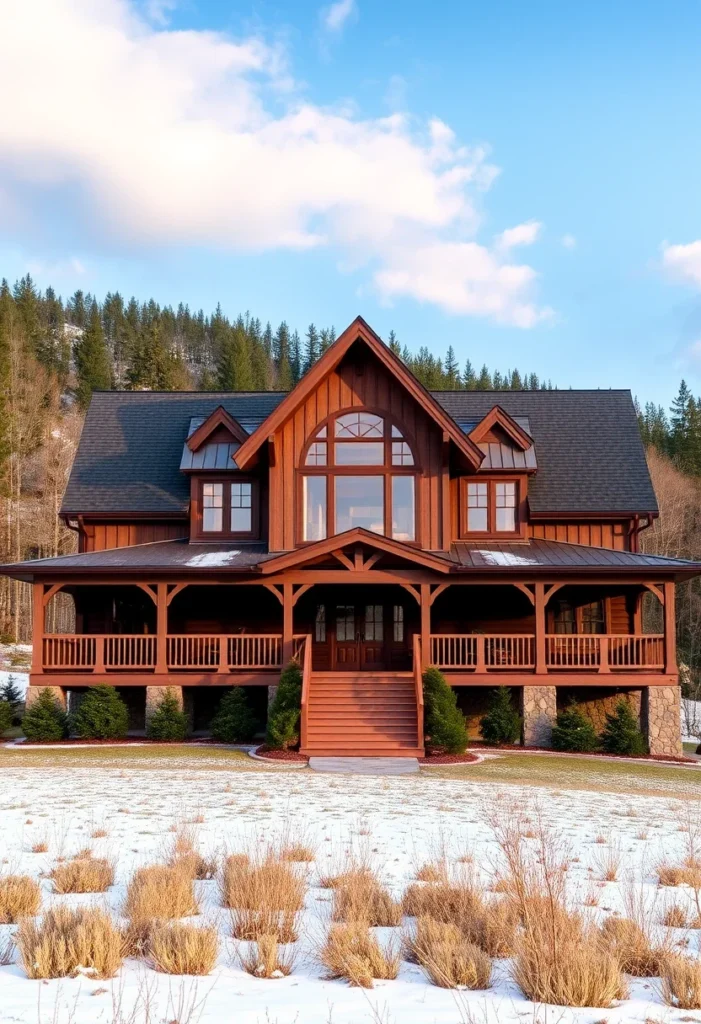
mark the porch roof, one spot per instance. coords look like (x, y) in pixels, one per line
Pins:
(540, 557)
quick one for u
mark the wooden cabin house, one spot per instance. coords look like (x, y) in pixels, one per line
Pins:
(369, 528)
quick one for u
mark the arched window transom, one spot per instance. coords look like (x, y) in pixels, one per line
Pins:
(358, 470)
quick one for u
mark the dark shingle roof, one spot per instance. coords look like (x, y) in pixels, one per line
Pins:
(551, 554)
(590, 455)
(588, 447)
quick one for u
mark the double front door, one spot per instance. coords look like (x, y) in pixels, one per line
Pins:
(359, 635)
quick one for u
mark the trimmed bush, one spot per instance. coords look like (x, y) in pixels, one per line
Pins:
(444, 723)
(101, 715)
(502, 723)
(574, 731)
(45, 719)
(6, 716)
(234, 722)
(168, 722)
(284, 713)
(621, 734)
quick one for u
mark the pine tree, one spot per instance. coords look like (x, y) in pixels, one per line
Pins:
(234, 721)
(11, 694)
(281, 349)
(92, 361)
(484, 381)
(469, 377)
(45, 719)
(679, 424)
(168, 722)
(311, 347)
(502, 723)
(621, 734)
(5, 717)
(285, 711)
(444, 722)
(101, 715)
(295, 357)
(574, 731)
(451, 370)
(394, 344)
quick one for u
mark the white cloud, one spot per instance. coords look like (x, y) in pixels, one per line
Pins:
(335, 17)
(159, 11)
(569, 241)
(70, 268)
(522, 234)
(683, 261)
(189, 138)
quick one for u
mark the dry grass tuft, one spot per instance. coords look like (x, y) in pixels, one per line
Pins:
(608, 862)
(633, 949)
(264, 896)
(449, 960)
(352, 952)
(40, 847)
(490, 925)
(431, 872)
(20, 896)
(183, 854)
(86, 874)
(675, 917)
(298, 852)
(182, 948)
(266, 959)
(159, 892)
(681, 983)
(670, 874)
(362, 898)
(7, 951)
(70, 942)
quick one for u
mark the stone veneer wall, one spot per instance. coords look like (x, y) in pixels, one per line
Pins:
(661, 717)
(539, 710)
(597, 702)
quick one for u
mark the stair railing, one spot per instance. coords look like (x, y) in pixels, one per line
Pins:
(306, 662)
(419, 692)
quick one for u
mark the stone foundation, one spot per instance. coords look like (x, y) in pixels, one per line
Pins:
(34, 691)
(539, 710)
(661, 719)
(597, 701)
(154, 696)
(272, 694)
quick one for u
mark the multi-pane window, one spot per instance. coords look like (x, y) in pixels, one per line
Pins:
(565, 618)
(345, 622)
(360, 501)
(316, 456)
(505, 501)
(398, 623)
(587, 618)
(477, 507)
(359, 424)
(212, 507)
(320, 624)
(593, 617)
(374, 628)
(241, 510)
(401, 454)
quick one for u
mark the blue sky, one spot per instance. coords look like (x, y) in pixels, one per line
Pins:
(519, 181)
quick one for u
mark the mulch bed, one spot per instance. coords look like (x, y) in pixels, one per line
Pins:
(280, 755)
(437, 758)
(669, 758)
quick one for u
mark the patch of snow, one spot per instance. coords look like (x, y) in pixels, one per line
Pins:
(212, 559)
(505, 558)
(19, 676)
(691, 720)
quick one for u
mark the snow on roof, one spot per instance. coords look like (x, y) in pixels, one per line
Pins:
(505, 558)
(212, 559)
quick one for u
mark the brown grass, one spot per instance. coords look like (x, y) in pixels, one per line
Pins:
(159, 892)
(20, 896)
(431, 872)
(449, 960)
(361, 897)
(67, 940)
(265, 897)
(675, 917)
(681, 983)
(176, 948)
(40, 847)
(183, 854)
(491, 925)
(266, 959)
(7, 951)
(297, 852)
(86, 874)
(608, 862)
(352, 952)
(632, 947)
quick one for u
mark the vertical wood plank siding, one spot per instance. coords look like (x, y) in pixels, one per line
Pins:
(596, 535)
(100, 536)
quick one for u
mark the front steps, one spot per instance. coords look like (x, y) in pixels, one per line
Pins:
(362, 714)
(365, 765)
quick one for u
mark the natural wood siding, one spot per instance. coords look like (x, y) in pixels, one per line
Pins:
(597, 535)
(620, 619)
(99, 536)
(356, 385)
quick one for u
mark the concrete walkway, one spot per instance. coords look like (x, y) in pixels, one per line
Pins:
(365, 765)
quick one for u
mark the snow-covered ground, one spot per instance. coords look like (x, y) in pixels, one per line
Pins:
(14, 661)
(401, 822)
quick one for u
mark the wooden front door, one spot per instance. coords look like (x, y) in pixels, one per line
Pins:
(359, 636)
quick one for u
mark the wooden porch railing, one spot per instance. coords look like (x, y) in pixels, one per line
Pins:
(304, 655)
(121, 653)
(563, 652)
(419, 691)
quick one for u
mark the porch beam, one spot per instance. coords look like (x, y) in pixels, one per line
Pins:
(659, 592)
(344, 560)
(53, 589)
(302, 590)
(437, 591)
(414, 591)
(161, 629)
(275, 591)
(175, 591)
(523, 587)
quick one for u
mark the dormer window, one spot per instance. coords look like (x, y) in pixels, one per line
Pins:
(358, 472)
(227, 509)
(491, 507)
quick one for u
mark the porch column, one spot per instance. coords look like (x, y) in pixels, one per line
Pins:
(425, 625)
(539, 714)
(541, 667)
(161, 631)
(287, 622)
(38, 627)
(670, 630)
(661, 719)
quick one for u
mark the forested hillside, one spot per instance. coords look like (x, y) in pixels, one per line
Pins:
(54, 353)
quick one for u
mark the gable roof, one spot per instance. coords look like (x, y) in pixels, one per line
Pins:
(358, 535)
(498, 417)
(219, 418)
(358, 330)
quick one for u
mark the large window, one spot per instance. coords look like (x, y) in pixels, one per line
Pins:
(583, 618)
(227, 508)
(490, 507)
(358, 471)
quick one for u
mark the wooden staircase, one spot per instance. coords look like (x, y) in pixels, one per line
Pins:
(361, 714)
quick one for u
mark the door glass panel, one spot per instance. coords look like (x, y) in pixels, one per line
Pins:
(345, 623)
(314, 507)
(320, 624)
(398, 623)
(359, 453)
(403, 525)
(373, 622)
(360, 501)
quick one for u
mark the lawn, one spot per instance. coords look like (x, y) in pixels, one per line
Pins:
(126, 804)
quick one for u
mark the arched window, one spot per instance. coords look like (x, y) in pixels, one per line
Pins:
(358, 470)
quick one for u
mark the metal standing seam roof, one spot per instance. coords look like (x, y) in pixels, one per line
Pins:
(589, 453)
